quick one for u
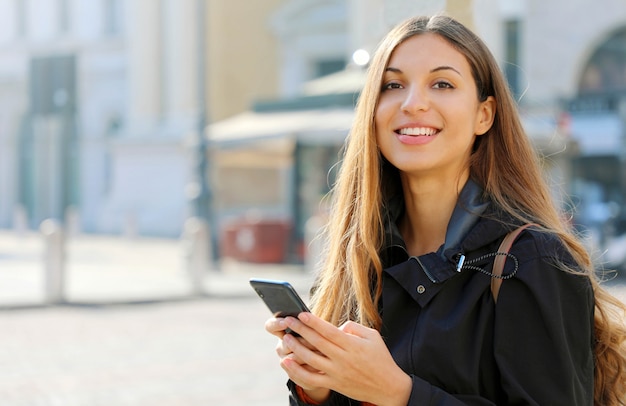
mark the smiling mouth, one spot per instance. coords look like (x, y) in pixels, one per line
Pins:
(418, 131)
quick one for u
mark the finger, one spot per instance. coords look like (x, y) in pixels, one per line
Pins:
(304, 365)
(307, 344)
(307, 356)
(276, 326)
(282, 350)
(330, 333)
(332, 349)
(321, 344)
(303, 375)
(357, 329)
(285, 352)
(301, 329)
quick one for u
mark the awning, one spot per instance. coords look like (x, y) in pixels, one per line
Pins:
(306, 126)
(345, 81)
(331, 126)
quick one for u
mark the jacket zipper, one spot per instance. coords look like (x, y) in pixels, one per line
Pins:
(428, 274)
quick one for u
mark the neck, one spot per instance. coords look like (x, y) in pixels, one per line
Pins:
(429, 204)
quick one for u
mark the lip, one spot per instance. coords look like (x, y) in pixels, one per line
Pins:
(416, 134)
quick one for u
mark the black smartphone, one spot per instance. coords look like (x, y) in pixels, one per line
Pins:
(280, 297)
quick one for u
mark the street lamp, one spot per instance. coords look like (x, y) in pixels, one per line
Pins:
(200, 191)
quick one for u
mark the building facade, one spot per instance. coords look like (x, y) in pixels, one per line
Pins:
(102, 102)
(55, 55)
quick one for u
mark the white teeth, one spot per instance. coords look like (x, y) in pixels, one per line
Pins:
(424, 131)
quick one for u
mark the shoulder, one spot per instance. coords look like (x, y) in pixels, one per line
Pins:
(545, 264)
(533, 244)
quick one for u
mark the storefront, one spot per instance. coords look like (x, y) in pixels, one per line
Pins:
(275, 168)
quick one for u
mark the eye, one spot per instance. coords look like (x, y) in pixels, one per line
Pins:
(442, 84)
(391, 85)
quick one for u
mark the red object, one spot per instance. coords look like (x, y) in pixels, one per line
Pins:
(256, 240)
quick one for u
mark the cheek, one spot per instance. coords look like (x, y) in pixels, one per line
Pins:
(383, 143)
(378, 115)
(383, 116)
(465, 121)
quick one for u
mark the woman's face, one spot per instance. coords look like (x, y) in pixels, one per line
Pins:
(428, 114)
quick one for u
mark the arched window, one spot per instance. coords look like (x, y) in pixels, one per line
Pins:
(606, 69)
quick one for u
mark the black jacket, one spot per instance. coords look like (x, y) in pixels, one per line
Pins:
(443, 328)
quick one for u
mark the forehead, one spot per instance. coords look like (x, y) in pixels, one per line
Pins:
(428, 50)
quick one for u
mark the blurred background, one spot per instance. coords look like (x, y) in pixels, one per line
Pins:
(154, 154)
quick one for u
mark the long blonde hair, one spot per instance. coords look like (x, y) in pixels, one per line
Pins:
(349, 284)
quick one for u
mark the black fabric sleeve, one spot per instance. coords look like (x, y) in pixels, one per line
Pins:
(335, 399)
(543, 338)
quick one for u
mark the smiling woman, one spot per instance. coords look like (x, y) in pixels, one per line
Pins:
(437, 171)
(428, 113)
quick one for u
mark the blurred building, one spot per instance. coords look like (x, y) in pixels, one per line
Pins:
(55, 55)
(101, 102)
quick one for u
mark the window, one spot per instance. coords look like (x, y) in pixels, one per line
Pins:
(20, 11)
(112, 18)
(326, 67)
(64, 16)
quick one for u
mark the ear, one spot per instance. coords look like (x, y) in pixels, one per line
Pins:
(485, 116)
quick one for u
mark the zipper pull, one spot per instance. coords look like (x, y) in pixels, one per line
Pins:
(459, 265)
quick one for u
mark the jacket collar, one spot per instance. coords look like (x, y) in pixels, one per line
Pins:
(475, 223)
(470, 206)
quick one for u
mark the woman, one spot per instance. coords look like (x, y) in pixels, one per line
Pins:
(437, 170)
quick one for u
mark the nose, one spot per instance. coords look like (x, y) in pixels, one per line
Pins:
(415, 100)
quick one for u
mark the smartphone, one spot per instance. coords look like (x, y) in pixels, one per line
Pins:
(280, 297)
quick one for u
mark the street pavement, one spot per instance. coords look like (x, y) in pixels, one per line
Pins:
(132, 330)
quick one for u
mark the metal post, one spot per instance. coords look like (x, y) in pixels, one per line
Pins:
(622, 153)
(201, 191)
(20, 219)
(197, 252)
(54, 261)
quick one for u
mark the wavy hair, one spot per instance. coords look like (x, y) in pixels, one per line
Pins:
(349, 285)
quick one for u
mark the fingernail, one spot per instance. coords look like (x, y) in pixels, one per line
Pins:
(287, 363)
(304, 316)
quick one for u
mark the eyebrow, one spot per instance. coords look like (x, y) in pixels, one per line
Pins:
(437, 69)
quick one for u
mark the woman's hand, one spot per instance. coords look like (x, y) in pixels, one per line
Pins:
(277, 326)
(352, 360)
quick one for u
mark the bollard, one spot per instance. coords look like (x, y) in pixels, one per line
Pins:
(131, 226)
(20, 220)
(54, 261)
(72, 220)
(197, 252)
